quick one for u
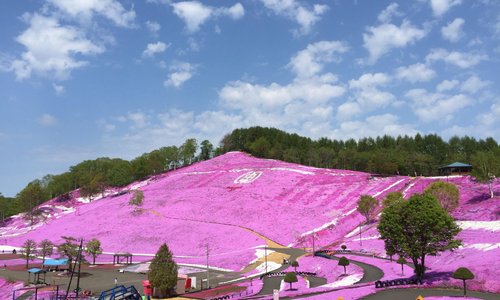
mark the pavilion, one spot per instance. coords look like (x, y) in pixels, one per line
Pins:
(456, 168)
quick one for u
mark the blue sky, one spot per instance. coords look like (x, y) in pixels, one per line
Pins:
(82, 79)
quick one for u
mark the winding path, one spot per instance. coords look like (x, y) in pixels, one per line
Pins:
(411, 293)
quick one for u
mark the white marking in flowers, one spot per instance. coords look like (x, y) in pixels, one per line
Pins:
(248, 177)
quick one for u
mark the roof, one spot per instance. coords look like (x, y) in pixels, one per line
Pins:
(457, 165)
(55, 262)
(36, 270)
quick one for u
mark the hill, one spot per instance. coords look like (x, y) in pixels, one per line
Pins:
(235, 204)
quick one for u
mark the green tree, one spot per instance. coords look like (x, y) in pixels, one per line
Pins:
(95, 186)
(391, 198)
(295, 264)
(401, 260)
(290, 278)
(93, 247)
(417, 228)
(446, 193)
(46, 249)
(29, 251)
(188, 150)
(163, 271)
(366, 206)
(68, 249)
(390, 251)
(206, 150)
(137, 199)
(463, 274)
(29, 199)
(486, 167)
(344, 262)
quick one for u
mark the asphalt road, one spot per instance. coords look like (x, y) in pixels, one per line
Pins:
(408, 293)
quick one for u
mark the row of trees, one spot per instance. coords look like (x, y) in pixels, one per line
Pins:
(68, 249)
(405, 155)
(93, 176)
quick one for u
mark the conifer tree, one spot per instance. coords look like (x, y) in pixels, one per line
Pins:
(163, 271)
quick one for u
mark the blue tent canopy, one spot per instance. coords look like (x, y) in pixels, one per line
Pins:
(55, 262)
(35, 271)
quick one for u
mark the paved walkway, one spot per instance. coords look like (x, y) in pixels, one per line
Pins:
(410, 293)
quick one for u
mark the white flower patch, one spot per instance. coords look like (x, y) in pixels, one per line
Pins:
(248, 177)
(346, 281)
(331, 223)
(388, 188)
(484, 246)
(480, 225)
(293, 170)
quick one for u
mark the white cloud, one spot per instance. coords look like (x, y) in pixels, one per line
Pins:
(154, 27)
(459, 59)
(367, 95)
(235, 12)
(436, 106)
(155, 48)
(58, 89)
(447, 85)
(473, 84)
(415, 73)
(453, 31)
(376, 125)
(391, 10)
(51, 48)
(439, 7)
(180, 73)
(47, 120)
(309, 62)
(381, 39)
(195, 13)
(292, 9)
(86, 9)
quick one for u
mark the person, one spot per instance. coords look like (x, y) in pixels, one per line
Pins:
(116, 281)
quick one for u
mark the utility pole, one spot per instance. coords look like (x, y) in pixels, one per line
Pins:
(208, 277)
(79, 267)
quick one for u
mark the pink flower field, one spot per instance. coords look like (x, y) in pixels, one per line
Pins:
(235, 204)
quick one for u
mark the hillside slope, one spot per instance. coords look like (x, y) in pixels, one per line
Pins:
(232, 204)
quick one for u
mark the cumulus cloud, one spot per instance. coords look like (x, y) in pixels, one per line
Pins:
(310, 61)
(453, 31)
(154, 48)
(154, 27)
(473, 84)
(306, 17)
(390, 11)
(459, 59)
(195, 13)
(415, 73)
(436, 106)
(439, 7)
(380, 40)
(447, 85)
(376, 125)
(47, 120)
(86, 9)
(51, 48)
(367, 95)
(180, 72)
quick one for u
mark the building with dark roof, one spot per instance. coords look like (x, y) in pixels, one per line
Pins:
(456, 168)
